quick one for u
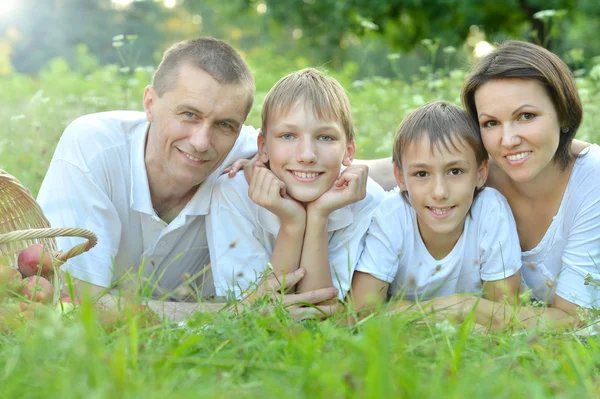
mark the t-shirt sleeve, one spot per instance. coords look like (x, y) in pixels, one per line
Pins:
(71, 197)
(237, 246)
(579, 279)
(383, 242)
(499, 245)
(347, 244)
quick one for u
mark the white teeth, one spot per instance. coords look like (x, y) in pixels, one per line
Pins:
(439, 211)
(188, 156)
(306, 175)
(518, 156)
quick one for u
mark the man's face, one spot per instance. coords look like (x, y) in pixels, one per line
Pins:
(193, 127)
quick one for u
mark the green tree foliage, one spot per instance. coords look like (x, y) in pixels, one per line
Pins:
(330, 24)
(43, 30)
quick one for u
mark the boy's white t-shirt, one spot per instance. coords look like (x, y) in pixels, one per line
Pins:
(567, 259)
(487, 250)
(241, 236)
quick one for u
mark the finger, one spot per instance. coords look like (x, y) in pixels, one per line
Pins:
(316, 296)
(256, 184)
(274, 284)
(315, 312)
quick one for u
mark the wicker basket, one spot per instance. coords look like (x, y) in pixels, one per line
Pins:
(23, 223)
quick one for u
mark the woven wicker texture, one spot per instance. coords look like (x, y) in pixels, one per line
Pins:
(23, 223)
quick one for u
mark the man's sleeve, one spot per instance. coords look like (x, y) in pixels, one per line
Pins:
(69, 197)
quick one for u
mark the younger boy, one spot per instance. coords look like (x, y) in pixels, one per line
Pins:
(297, 210)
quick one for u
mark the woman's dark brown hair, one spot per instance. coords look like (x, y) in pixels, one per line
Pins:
(520, 60)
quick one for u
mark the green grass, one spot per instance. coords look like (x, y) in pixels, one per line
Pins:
(253, 355)
(256, 355)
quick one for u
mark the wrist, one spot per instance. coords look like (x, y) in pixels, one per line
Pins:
(293, 227)
(315, 213)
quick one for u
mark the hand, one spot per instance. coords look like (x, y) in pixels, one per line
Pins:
(350, 187)
(268, 191)
(246, 164)
(300, 306)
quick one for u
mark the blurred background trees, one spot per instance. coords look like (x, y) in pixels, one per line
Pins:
(362, 36)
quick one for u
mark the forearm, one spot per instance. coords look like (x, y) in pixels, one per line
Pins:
(500, 316)
(315, 255)
(288, 248)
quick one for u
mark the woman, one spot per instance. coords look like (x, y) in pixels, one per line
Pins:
(526, 103)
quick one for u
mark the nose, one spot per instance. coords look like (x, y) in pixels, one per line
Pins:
(307, 151)
(440, 189)
(510, 138)
(200, 138)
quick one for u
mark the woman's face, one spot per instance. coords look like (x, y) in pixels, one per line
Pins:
(519, 127)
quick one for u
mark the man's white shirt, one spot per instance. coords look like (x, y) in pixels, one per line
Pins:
(487, 250)
(242, 235)
(97, 180)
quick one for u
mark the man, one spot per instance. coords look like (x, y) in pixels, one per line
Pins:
(143, 181)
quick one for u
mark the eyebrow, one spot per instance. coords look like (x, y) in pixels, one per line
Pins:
(322, 128)
(513, 113)
(186, 107)
(521, 107)
(458, 162)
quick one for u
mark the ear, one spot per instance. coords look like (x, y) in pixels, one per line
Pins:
(482, 173)
(399, 176)
(150, 97)
(349, 153)
(262, 147)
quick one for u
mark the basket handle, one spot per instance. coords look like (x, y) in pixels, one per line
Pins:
(92, 240)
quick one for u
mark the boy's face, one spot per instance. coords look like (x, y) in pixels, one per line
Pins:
(304, 152)
(440, 186)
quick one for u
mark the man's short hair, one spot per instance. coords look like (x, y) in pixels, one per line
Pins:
(213, 56)
(317, 92)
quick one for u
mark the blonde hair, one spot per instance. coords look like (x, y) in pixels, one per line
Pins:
(320, 93)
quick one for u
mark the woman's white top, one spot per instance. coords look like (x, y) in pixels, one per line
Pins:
(487, 250)
(567, 259)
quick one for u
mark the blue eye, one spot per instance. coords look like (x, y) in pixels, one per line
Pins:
(287, 136)
(326, 138)
(225, 125)
(189, 115)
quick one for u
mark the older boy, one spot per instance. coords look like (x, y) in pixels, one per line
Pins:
(298, 210)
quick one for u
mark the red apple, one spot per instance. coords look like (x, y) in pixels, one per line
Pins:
(30, 260)
(37, 289)
(10, 279)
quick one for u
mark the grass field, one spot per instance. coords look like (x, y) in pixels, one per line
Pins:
(268, 355)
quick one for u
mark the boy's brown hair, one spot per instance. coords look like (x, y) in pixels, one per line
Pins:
(444, 124)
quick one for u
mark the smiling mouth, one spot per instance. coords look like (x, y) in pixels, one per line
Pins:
(305, 176)
(191, 158)
(518, 157)
(441, 212)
